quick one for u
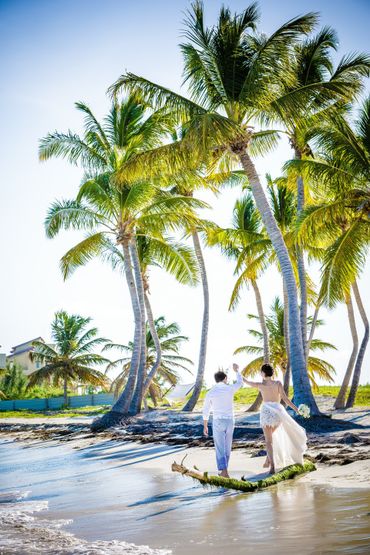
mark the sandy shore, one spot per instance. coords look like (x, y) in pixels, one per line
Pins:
(353, 475)
(99, 495)
(340, 446)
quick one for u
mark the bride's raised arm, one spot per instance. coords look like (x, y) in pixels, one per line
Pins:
(252, 384)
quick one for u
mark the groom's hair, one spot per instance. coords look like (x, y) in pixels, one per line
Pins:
(220, 375)
(267, 369)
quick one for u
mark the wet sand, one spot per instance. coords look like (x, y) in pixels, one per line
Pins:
(103, 490)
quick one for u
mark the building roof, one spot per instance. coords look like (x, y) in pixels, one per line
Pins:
(27, 346)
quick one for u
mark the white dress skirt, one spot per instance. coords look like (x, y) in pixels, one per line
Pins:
(289, 440)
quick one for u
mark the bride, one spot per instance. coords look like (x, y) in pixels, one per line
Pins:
(286, 441)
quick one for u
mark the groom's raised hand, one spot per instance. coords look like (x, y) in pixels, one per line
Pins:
(235, 367)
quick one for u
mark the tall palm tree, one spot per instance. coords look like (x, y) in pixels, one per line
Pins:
(233, 78)
(170, 364)
(248, 241)
(340, 218)
(315, 71)
(71, 359)
(111, 214)
(317, 368)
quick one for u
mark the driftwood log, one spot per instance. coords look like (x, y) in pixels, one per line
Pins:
(243, 485)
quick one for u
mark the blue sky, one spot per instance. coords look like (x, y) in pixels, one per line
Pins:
(54, 53)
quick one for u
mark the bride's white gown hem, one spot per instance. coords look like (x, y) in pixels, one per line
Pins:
(289, 440)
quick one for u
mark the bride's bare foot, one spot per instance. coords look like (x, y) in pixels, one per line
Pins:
(266, 464)
(272, 470)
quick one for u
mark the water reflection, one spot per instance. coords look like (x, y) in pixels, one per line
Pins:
(108, 498)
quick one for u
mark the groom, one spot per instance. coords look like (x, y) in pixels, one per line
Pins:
(220, 400)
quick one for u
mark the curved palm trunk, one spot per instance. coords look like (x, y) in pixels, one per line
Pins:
(301, 265)
(157, 344)
(301, 383)
(121, 406)
(340, 400)
(266, 349)
(137, 397)
(361, 353)
(203, 342)
(287, 372)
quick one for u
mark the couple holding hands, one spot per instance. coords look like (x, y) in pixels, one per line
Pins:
(286, 441)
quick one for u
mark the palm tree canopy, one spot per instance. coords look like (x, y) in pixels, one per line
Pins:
(231, 73)
(317, 368)
(172, 362)
(106, 212)
(339, 218)
(71, 356)
(129, 128)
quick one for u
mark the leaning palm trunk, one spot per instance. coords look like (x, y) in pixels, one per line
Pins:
(302, 271)
(340, 400)
(121, 406)
(286, 341)
(301, 383)
(135, 406)
(157, 344)
(361, 354)
(266, 350)
(203, 342)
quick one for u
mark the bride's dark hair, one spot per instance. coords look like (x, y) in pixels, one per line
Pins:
(267, 369)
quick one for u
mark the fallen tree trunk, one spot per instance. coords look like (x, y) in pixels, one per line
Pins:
(244, 485)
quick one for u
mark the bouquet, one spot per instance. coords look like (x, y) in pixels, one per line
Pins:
(304, 411)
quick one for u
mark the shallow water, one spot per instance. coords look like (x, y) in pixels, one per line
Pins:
(54, 499)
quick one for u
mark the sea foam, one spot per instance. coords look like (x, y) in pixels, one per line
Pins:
(25, 533)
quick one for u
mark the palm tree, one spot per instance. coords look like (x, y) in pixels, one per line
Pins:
(248, 241)
(315, 72)
(233, 78)
(340, 219)
(111, 215)
(317, 368)
(70, 360)
(167, 370)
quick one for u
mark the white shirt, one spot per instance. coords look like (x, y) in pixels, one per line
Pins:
(220, 399)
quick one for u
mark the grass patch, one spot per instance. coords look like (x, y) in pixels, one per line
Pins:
(62, 413)
(243, 399)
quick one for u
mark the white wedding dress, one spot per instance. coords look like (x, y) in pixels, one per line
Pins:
(289, 440)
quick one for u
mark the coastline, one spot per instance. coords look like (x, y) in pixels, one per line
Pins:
(108, 493)
(340, 449)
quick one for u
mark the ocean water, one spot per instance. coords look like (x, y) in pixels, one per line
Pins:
(59, 500)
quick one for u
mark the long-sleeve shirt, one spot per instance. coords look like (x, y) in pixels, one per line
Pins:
(220, 399)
